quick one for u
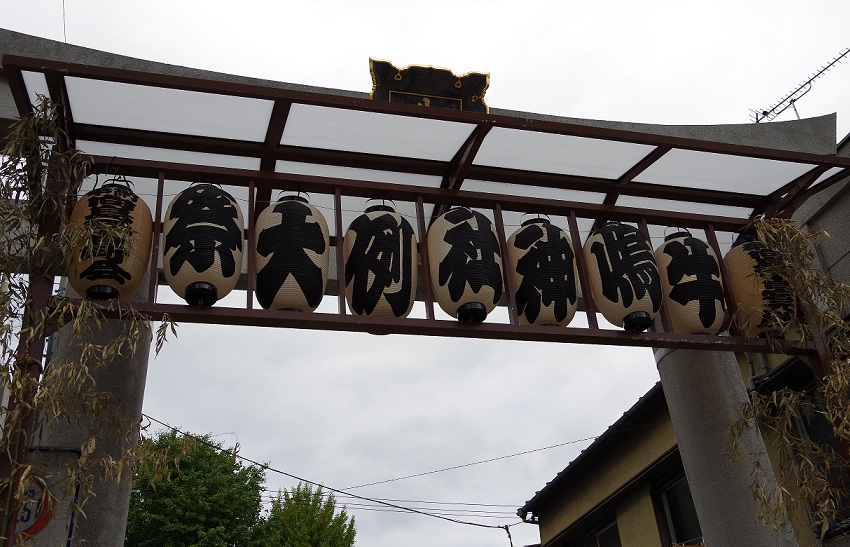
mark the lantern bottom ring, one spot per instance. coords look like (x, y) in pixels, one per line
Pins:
(474, 312)
(637, 321)
(101, 292)
(201, 294)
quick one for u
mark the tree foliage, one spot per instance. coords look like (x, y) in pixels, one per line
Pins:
(812, 475)
(305, 517)
(190, 492)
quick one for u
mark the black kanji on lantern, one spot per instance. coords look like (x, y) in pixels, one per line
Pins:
(288, 243)
(626, 266)
(472, 255)
(111, 205)
(546, 270)
(206, 226)
(776, 292)
(689, 257)
(379, 258)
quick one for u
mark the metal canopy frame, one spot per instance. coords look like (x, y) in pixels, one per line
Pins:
(640, 178)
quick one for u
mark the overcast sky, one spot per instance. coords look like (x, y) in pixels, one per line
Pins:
(350, 409)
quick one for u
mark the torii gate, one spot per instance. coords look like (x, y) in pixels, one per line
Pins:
(271, 138)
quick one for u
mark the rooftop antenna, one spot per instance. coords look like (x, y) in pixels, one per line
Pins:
(788, 102)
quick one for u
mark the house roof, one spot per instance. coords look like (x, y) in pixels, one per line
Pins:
(650, 400)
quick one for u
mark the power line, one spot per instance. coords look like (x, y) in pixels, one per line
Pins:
(331, 489)
(474, 463)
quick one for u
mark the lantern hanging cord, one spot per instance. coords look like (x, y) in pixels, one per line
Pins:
(328, 488)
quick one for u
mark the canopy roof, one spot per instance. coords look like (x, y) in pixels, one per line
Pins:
(201, 123)
(166, 131)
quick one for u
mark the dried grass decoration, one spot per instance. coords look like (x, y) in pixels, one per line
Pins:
(203, 233)
(111, 230)
(466, 264)
(292, 255)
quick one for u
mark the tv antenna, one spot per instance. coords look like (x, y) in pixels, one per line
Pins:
(790, 100)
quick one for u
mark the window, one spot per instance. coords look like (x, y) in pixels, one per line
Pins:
(609, 536)
(679, 510)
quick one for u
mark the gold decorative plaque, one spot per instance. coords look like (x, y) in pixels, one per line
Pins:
(428, 86)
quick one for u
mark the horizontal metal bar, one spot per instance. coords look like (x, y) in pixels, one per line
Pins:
(457, 329)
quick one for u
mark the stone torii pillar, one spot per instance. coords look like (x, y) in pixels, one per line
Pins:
(105, 520)
(704, 393)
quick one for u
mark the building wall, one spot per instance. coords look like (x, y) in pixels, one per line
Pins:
(635, 515)
(625, 457)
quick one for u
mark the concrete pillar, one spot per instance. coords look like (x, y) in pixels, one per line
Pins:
(704, 393)
(105, 520)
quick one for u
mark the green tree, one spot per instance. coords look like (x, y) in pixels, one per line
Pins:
(304, 517)
(190, 492)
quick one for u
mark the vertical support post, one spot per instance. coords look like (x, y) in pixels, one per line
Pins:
(29, 364)
(731, 306)
(589, 306)
(424, 257)
(340, 267)
(250, 245)
(510, 294)
(665, 313)
(157, 233)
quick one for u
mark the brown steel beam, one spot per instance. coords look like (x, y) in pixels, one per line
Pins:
(779, 200)
(602, 185)
(427, 291)
(460, 163)
(581, 268)
(826, 183)
(510, 290)
(628, 176)
(731, 305)
(458, 329)
(157, 232)
(16, 85)
(409, 193)
(408, 165)
(274, 133)
(170, 141)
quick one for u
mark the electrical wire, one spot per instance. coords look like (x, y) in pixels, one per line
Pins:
(329, 488)
(473, 463)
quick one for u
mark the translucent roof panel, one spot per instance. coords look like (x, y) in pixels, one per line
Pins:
(36, 85)
(712, 171)
(151, 108)
(163, 154)
(374, 133)
(335, 171)
(553, 153)
(829, 173)
(684, 207)
(532, 191)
